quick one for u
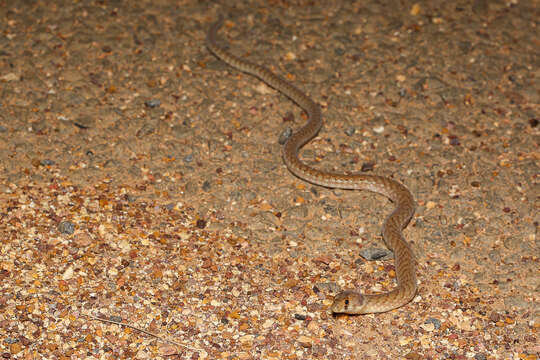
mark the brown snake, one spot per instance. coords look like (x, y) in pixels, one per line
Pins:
(348, 302)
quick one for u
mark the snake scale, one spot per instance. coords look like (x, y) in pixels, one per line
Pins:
(347, 302)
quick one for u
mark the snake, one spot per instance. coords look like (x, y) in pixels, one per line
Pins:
(348, 301)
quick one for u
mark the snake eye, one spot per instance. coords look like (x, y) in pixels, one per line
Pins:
(347, 302)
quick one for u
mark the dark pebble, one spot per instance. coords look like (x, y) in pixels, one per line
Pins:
(436, 322)
(201, 224)
(170, 206)
(349, 131)
(339, 51)
(368, 166)
(47, 162)
(115, 318)
(206, 186)
(66, 227)
(454, 140)
(285, 135)
(374, 253)
(152, 103)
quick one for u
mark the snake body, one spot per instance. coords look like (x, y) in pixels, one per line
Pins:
(348, 302)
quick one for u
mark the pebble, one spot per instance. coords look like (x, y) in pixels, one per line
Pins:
(305, 341)
(350, 130)
(66, 227)
(373, 253)
(436, 323)
(153, 103)
(47, 162)
(285, 135)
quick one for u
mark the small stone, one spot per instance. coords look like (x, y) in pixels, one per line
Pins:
(68, 274)
(167, 350)
(246, 338)
(290, 56)
(10, 77)
(285, 135)
(66, 227)
(415, 9)
(268, 323)
(152, 103)
(115, 318)
(82, 239)
(378, 129)
(404, 340)
(305, 341)
(201, 224)
(63, 286)
(15, 348)
(429, 327)
(263, 89)
(494, 317)
(369, 166)
(375, 253)
(206, 186)
(436, 322)
(46, 162)
(313, 327)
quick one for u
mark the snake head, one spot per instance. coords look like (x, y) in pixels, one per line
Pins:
(347, 302)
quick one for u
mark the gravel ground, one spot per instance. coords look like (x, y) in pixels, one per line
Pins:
(141, 179)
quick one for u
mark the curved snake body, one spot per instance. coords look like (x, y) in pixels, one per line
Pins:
(348, 302)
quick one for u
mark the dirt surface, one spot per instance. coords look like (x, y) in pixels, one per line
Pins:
(141, 179)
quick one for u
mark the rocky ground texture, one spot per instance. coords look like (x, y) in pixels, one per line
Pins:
(141, 179)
